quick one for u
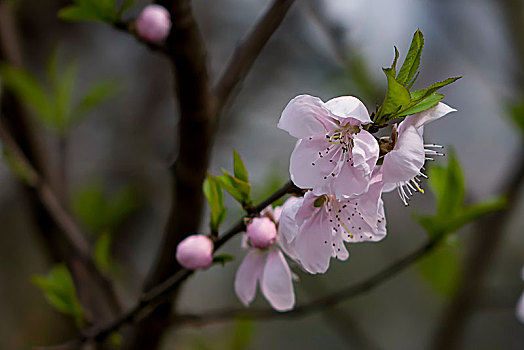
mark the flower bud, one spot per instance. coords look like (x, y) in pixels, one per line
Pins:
(153, 23)
(261, 232)
(195, 252)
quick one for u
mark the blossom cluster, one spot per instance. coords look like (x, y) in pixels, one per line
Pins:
(344, 170)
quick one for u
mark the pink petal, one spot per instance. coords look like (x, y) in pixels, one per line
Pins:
(422, 118)
(306, 116)
(406, 159)
(276, 283)
(307, 168)
(520, 309)
(248, 273)
(313, 243)
(345, 107)
(339, 249)
(287, 227)
(350, 181)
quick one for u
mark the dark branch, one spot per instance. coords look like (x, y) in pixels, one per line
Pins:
(161, 292)
(248, 51)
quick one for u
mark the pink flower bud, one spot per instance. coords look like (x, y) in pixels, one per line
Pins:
(261, 232)
(195, 252)
(153, 23)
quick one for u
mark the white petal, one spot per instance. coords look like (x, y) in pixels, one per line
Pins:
(406, 159)
(306, 116)
(313, 243)
(248, 273)
(422, 118)
(345, 107)
(277, 284)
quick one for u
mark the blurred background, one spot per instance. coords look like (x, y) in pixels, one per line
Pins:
(114, 163)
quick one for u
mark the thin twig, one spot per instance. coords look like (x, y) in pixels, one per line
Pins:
(317, 304)
(247, 52)
(159, 293)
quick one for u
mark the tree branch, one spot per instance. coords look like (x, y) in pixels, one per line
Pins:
(159, 293)
(317, 304)
(247, 52)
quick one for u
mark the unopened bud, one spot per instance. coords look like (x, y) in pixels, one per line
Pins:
(153, 23)
(195, 252)
(261, 232)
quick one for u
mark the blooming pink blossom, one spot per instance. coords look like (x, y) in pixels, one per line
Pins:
(261, 232)
(402, 166)
(334, 154)
(153, 23)
(314, 228)
(195, 252)
(265, 265)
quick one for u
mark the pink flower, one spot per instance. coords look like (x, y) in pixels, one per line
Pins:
(153, 23)
(519, 312)
(334, 154)
(261, 232)
(265, 265)
(402, 166)
(315, 228)
(195, 252)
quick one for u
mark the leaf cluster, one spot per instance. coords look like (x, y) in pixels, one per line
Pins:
(94, 10)
(53, 103)
(399, 100)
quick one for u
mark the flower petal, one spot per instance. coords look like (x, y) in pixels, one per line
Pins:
(313, 243)
(276, 283)
(345, 107)
(419, 119)
(309, 164)
(248, 273)
(306, 116)
(406, 159)
(287, 226)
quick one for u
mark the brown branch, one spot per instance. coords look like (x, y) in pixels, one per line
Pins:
(199, 111)
(248, 51)
(318, 304)
(161, 292)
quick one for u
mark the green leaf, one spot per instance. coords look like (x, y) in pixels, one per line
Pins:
(222, 259)
(423, 105)
(243, 334)
(60, 292)
(90, 10)
(441, 269)
(214, 197)
(237, 188)
(412, 61)
(397, 97)
(63, 93)
(239, 167)
(517, 116)
(78, 14)
(27, 89)
(96, 95)
(421, 94)
(102, 251)
(448, 186)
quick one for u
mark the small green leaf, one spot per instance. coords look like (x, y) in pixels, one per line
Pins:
(239, 189)
(27, 89)
(423, 105)
(448, 186)
(517, 116)
(239, 167)
(90, 10)
(421, 94)
(96, 95)
(441, 269)
(60, 292)
(412, 61)
(222, 259)
(63, 93)
(397, 98)
(78, 14)
(102, 251)
(214, 197)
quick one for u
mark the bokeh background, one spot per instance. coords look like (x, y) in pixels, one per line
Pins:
(120, 152)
